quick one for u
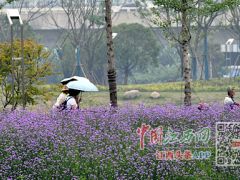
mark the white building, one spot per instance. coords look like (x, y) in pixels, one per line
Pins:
(46, 14)
(42, 3)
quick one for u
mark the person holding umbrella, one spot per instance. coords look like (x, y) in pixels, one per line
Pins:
(79, 83)
(71, 101)
(61, 98)
(76, 85)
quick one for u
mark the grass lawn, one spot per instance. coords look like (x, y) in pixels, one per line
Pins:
(171, 92)
(102, 98)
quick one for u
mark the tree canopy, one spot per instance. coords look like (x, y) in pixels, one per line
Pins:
(136, 48)
(166, 13)
(37, 67)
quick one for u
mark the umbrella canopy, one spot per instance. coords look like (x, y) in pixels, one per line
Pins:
(67, 80)
(82, 84)
(74, 78)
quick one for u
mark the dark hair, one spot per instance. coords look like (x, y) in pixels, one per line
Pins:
(230, 92)
(73, 92)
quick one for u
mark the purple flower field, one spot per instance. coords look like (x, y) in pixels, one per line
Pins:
(99, 143)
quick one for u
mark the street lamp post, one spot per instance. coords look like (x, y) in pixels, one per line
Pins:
(13, 14)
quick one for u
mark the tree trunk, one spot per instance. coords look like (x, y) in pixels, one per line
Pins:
(126, 74)
(194, 68)
(186, 64)
(210, 69)
(110, 55)
(206, 65)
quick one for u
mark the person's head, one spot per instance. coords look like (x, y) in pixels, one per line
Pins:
(73, 92)
(231, 91)
(65, 89)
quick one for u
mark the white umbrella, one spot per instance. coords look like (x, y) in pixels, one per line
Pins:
(82, 84)
(78, 78)
(67, 80)
(74, 78)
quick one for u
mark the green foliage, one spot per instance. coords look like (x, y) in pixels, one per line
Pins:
(64, 60)
(204, 7)
(36, 68)
(187, 10)
(68, 62)
(91, 56)
(168, 69)
(211, 6)
(157, 74)
(134, 44)
(168, 13)
(98, 17)
(136, 48)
